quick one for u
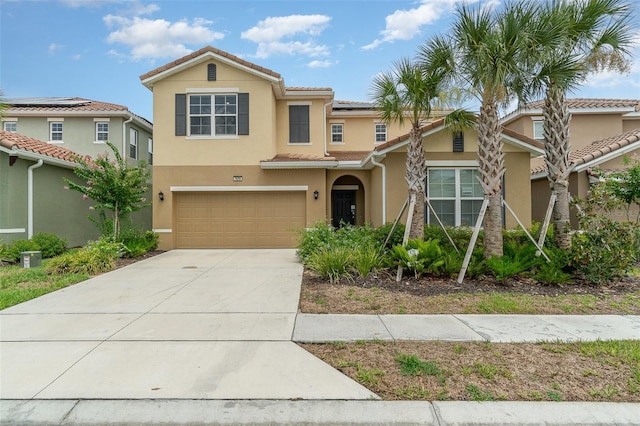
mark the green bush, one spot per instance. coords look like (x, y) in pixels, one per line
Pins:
(323, 236)
(550, 273)
(331, 263)
(95, 258)
(50, 244)
(381, 234)
(367, 260)
(504, 267)
(138, 242)
(18, 246)
(419, 256)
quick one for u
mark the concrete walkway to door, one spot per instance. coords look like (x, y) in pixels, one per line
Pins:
(187, 324)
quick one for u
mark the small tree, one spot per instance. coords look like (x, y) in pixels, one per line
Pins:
(625, 185)
(114, 185)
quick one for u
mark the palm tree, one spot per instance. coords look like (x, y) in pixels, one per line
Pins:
(407, 92)
(487, 51)
(591, 35)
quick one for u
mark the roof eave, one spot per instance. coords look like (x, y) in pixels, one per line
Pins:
(30, 155)
(609, 156)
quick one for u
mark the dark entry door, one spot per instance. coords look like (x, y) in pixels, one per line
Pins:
(344, 207)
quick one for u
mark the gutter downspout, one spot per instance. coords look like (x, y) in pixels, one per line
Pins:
(324, 130)
(124, 137)
(30, 197)
(384, 188)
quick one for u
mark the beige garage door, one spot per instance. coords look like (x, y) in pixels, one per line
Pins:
(239, 219)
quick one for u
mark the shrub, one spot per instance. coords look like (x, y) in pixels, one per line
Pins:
(367, 260)
(504, 267)
(331, 263)
(321, 236)
(18, 246)
(138, 242)
(50, 244)
(550, 273)
(419, 256)
(95, 258)
(381, 234)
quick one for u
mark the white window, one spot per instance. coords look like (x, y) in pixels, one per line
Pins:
(133, 143)
(337, 133)
(219, 118)
(55, 131)
(10, 126)
(381, 133)
(150, 149)
(455, 194)
(538, 130)
(102, 131)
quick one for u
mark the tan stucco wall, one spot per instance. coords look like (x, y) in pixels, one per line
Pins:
(242, 150)
(166, 176)
(359, 133)
(628, 125)
(315, 147)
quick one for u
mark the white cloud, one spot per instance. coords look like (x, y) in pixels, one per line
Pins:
(54, 47)
(159, 38)
(274, 35)
(319, 64)
(76, 57)
(610, 79)
(407, 24)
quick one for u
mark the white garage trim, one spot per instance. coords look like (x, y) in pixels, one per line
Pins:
(237, 188)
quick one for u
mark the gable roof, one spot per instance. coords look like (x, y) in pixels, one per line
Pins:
(594, 153)
(580, 105)
(68, 106)
(34, 149)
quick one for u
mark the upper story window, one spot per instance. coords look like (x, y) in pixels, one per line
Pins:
(337, 133)
(10, 126)
(55, 131)
(381, 133)
(133, 143)
(455, 194)
(213, 115)
(150, 149)
(299, 124)
(102, 131)
(538, 130)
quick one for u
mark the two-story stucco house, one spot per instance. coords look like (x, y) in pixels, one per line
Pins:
(82, 126)
(602, 133)
(242, 160)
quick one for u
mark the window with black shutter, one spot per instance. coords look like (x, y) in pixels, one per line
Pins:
(299, 124)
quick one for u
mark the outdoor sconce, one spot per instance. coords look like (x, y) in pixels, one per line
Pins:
(161, 196)
(315, 194)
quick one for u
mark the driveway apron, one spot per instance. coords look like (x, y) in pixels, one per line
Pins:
(187, 324)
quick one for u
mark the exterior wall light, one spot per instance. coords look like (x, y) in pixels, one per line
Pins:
(161, 196)
(315, 194)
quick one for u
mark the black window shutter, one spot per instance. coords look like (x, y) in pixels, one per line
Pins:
(181, 114)
(211, 72)
(458, 142)
(243, 113)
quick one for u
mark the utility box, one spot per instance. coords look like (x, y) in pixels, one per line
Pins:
(30, 259)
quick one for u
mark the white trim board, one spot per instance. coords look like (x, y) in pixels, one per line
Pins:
(12, 231)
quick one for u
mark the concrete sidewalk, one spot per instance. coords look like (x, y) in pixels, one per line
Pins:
(207, 337)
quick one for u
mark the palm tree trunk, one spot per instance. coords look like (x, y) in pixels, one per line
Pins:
(557, 149)
(491, 160)
(416, 177)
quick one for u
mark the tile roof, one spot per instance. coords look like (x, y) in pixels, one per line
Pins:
(60, 105)
(309, 89)
(333, 156)
(405, 137)
(593, 151)
(522, 137)
(16, 141)
(593, 103)
(208, 49)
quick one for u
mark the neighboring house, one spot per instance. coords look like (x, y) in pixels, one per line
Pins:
(32, 194)
(602, 133)
(84, 126)
(241, 160)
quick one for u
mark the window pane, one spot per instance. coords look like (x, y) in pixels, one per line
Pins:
(470, 210)
(442, 183)
(200, 105)
(446, 210)
(226, 125)
(469, 184)
(225, 104)
(200, 125)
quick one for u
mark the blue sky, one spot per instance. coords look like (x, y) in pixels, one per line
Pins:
(98, 49)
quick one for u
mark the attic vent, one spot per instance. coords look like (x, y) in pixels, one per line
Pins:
(458, 142)
(211, 72)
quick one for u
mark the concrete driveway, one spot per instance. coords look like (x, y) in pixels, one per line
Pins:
(187, 324)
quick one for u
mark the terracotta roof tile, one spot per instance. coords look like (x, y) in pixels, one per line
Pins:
(297, 157)
(20, 142)
(594, 150)
(405, 137)
(202, 51)
(522, 137)
(349, 155)
(309, 89)
(55, 105)
(593, 103)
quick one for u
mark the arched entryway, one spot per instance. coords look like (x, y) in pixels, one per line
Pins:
(347, 201)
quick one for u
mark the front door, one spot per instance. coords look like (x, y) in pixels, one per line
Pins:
(344, 207)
